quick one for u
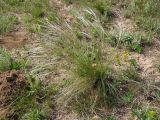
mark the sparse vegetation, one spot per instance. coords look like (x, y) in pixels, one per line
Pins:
(83, 59)
(145, 14)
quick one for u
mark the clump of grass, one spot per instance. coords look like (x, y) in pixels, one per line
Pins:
(95, 73)
(8, 63)
(7, 23)
(37, 12)
(104, 8)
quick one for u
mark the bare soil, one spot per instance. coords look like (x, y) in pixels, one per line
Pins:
(13, 39)
(11, 84)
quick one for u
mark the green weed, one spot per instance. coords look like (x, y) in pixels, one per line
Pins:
(35, 114)
(37, 12)
(146, 113)
(127, 98)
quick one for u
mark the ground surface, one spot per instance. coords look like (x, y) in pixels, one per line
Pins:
(23, 44)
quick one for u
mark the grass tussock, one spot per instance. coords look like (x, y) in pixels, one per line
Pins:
(97, 70)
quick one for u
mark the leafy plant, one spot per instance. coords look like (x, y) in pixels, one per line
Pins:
(127, 98)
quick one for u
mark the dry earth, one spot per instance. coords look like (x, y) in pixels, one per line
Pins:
(12, 84)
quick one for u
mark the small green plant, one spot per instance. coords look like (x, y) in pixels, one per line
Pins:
(7, 23)
(37, 12)
(8, 63)
(35, 114)
(127, 98)
(146, 114)
(104, 8)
